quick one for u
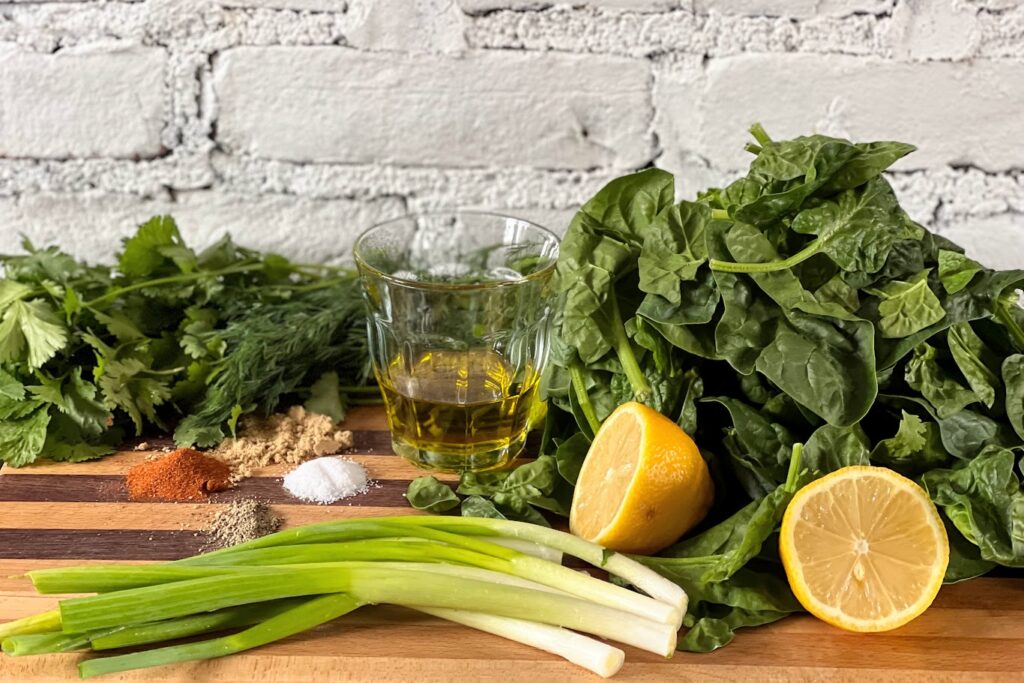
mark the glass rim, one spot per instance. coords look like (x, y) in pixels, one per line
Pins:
(361, 263)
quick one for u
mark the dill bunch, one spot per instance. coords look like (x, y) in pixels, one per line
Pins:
(273, 350)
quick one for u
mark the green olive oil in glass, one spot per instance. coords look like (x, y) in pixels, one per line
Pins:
(459, 323)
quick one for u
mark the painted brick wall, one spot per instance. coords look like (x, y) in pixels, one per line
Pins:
(296, 123)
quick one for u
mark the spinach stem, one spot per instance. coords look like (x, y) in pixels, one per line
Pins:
(794, 466)
(719, 215)
(760, 134)
(580, 387)
(624, 350)
(769, 267)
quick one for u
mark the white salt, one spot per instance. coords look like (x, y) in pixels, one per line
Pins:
(326, 480)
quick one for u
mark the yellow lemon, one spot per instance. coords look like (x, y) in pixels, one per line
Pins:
(864, 549)
(643, 483)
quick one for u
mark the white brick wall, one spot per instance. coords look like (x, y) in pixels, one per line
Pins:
(296, 123)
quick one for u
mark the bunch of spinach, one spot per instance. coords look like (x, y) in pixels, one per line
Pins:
(166, 336)
(799, 304)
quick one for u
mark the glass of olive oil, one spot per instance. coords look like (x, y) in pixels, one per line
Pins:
(460, 308)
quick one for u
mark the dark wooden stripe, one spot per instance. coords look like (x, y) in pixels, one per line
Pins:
(99, 544)
(106, 488)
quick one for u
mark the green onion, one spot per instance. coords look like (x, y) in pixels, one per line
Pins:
(647, 580)
(43, 622)
(295, 620)
(47, 643)
(602, 659)
(519, 564)
(493, 575)
(183, 627)
(369, 583)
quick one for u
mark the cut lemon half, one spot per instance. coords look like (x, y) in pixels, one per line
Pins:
(643, 483)
(864, 549)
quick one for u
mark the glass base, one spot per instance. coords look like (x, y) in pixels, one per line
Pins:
(458, 462)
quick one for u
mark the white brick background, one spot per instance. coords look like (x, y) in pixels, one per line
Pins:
(294, 124)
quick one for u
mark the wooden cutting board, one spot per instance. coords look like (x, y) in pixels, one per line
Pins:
(64, 514)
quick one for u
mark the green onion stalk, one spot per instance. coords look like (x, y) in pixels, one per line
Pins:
(467, 570)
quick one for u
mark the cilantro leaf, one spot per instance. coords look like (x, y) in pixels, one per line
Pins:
(128, 385)
(10, 387)
(192, 431)
(155, 242)
(21, 439)
(30, 332)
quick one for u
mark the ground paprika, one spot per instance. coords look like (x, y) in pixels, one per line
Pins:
(183, 475)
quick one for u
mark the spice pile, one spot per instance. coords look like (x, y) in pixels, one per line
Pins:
(327, 480)
(291, 437)
(242, 521)
(183, 475)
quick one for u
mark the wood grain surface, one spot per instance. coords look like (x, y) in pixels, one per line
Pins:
(67, 514)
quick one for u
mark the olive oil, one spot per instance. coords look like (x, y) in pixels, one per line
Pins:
(458, 410)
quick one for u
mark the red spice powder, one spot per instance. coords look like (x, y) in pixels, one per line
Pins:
(182, 475)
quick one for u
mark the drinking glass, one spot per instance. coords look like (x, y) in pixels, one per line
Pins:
(460, 307)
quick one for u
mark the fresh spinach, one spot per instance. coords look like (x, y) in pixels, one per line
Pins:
(427, 493)
(799, 303)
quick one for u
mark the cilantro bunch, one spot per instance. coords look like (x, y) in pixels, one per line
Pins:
(168, 337)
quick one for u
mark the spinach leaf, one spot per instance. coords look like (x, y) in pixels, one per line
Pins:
(831, 448)
(956, 270)
(673, 250)
(979, 365)
(870, 159)
(942, 391)
(1013, 378)
(818, 353)
(478, 506)
(427, 493)
(965, 560)
(908, 306)
(858, 229)
(983, 499)
(760, 450)
(751, 597)
(625, 207)
(569, 456)
(746, 541)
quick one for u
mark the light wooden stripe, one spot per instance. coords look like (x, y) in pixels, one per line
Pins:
(166, 516)
(378, 467)
(265, 665)
(398, 635)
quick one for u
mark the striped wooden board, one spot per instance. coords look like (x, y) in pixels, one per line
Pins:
(64, 514)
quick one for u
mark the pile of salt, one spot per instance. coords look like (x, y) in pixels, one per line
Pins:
(326, 480)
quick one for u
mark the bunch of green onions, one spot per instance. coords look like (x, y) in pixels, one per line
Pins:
(497, 576)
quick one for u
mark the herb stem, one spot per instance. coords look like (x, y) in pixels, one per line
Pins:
(624, 350)
(769, 267)
(579, 386)
(720, 215)
(173, 279)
